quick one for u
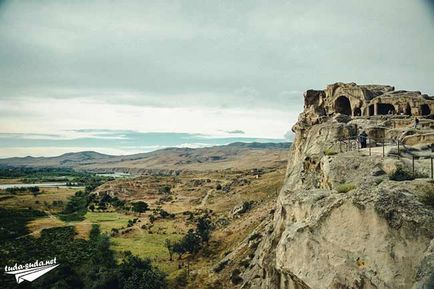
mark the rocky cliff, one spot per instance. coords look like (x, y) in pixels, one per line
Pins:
(349, 217)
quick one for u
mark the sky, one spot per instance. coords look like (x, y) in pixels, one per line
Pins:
(124, 77)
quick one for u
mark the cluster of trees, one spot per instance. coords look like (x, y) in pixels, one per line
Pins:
(34, 190)
(38, 174)
(139, 207)
(90, 182)
(160, 213)
(78, 204)
(85, 264)
(76, 207)
(105, 200)
(71, 177)
(13, 222)
(193, 241)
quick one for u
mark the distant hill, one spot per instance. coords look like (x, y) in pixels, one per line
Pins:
(65, 160)
(233, 156)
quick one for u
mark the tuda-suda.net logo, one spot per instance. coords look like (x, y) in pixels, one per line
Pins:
(31, 271)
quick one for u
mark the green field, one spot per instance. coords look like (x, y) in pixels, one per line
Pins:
(139, 241)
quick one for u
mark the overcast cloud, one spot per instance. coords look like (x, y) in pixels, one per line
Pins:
(198, 66)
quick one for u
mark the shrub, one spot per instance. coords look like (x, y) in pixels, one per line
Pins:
(247, 206)
(428, 198)
(378, 181)
(114, 232)
(180, 281)
(345, 188)
(221, 265)
(401, 174)
(235, 277)
(140, 207)
(152, 218)
(330, 152)
(165, 189)
(117, 202)
(166, 215)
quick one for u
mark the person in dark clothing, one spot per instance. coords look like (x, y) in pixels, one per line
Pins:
(363, 138)
(416, 122)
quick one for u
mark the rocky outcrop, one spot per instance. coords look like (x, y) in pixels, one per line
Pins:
(340, 221)
(367, 100)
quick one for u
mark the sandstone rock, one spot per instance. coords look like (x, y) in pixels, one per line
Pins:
(242, 208)
(342, 118)
(377, 171)
(377, 235)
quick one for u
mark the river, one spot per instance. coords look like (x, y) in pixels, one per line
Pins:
(41, 185)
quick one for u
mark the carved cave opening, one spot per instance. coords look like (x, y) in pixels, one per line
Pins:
(357, 111)
(407, 110)
(385, 108)
(425, 110)
(371, 110)
(343, 105)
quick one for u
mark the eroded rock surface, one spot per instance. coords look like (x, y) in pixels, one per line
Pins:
(340, 220)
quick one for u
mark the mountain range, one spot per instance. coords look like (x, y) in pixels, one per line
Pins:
(235, 156)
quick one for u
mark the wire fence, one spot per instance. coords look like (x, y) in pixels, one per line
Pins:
(402, 151)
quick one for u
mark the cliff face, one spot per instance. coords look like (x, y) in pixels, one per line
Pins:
(340, 221)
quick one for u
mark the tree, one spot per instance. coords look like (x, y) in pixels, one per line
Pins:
(203, 229)
(191, 242)
(137, 273)
(164, 214)
(178, 248)
(35, 191)
(117, 202)
(169, 246)
(165, 189)
(140, 207)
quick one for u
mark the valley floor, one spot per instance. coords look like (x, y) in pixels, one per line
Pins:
(237, 201)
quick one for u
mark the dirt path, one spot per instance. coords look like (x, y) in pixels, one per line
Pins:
(205, 199)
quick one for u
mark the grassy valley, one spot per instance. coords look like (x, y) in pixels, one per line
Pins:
(161, 217)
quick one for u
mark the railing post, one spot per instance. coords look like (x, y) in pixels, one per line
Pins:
(412, 164)
(383, 148)
(399, 154)
(369, 145)
(432, 168)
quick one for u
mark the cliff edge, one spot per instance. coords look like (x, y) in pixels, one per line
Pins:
(352, 215)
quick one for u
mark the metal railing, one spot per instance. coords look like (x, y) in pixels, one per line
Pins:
(403, 151)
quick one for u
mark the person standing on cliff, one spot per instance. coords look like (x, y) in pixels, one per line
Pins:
(416, 122)
(363, 137)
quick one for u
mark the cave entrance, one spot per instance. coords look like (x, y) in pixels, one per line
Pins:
(407, 110)
(371, 110)
(425, 110)
(357, 111)
(385, 108)
(342, 105)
